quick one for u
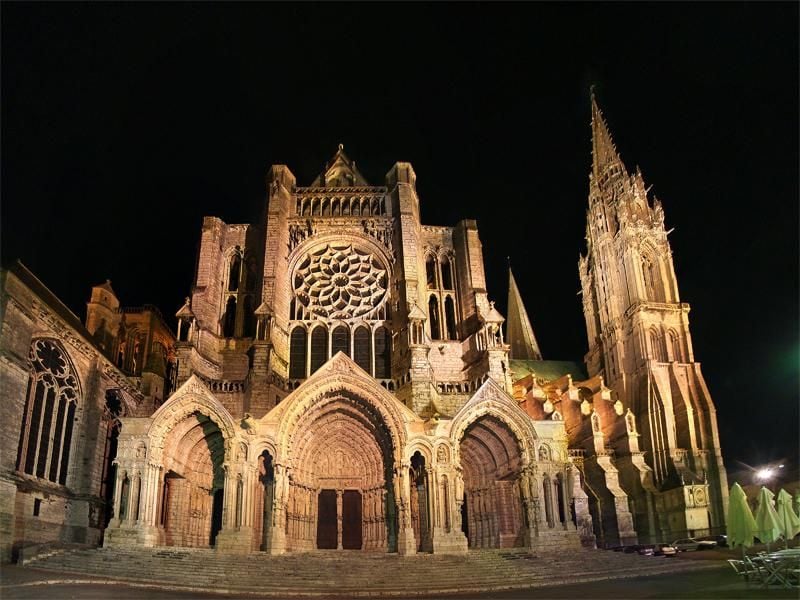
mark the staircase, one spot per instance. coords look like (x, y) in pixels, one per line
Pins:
(346, 573)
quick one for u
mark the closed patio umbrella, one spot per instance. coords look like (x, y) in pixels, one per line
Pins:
(767, 528)
(788, 520)
(741, 524)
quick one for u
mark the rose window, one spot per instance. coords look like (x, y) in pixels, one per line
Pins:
(340, 282)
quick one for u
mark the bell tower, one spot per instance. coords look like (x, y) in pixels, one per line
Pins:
(639, 340)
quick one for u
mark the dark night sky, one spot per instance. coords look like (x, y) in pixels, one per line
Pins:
(124, 124)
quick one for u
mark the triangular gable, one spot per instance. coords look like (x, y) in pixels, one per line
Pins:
(193, 396)
(340, 171)
(493, 400)
(342, 369)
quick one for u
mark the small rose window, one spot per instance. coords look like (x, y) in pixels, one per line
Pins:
(340, 282)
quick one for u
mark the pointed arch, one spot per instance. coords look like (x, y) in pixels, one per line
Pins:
(490, 399)
(192, 397)
(432, 281)
(53, 396)
(297, 352)
(433, 317)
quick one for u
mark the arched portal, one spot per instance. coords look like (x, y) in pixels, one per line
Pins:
(340, 483)
(192, 488)
(491, 460)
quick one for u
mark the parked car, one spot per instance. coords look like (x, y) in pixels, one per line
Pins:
(687, 544)
(664, 550)
(722, 540)
(646, 549)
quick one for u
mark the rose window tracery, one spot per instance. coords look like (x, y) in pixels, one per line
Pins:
(340, 282)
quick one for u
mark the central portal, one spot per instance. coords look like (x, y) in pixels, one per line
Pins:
(340, 492)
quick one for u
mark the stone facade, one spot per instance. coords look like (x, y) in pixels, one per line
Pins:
(340, 379)
(63, 397)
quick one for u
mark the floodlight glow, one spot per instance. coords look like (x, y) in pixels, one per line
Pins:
(764, 474)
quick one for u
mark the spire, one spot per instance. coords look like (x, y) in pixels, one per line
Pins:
(520, 333)
(604, 152)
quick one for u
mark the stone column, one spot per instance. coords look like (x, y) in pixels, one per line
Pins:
(406, 543)
(149, 497)
(233, 538)
(276, 541)
(119, 478)
(527, 485)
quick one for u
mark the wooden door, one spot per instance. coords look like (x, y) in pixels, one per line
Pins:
(351, 520)
(326, 520)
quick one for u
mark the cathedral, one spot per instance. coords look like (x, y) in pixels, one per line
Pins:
(340, 379)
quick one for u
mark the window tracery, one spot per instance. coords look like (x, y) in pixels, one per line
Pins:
(340, 282)
(46, 434)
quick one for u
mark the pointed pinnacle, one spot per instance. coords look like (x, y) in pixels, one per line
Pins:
(604, 151)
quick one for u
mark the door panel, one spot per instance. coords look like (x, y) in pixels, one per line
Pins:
(326, 520)
(351, 520)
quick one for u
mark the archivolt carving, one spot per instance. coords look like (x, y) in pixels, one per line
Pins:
(490, 399)
(190, 398)
(338, 378)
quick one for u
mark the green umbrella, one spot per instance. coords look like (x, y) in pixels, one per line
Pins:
(787, 519)
(741, 524)
(767, 527)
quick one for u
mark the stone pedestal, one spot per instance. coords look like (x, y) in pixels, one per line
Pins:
(235, 541)
(454, 542)
(406, 542)
(121, 537)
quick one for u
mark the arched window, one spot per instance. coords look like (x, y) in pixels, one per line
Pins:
(450, 318)
(657, 346)
(46, 433)
(447, 274)
(340, 340)
(383, 353)
(430, 271)
(229, 319)
(319, 348)
(652, 279)
(234, 273)
(433, 315)
(675, 346)
(361, 350)
(297, 353)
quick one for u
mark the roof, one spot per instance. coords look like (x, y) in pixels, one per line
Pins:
(548, 370)
(106, 286)
(51, 300)
(338, 169)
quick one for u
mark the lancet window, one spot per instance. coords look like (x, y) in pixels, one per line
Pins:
(46, 433)
(238, 300)
(371, 349)
(442, 301)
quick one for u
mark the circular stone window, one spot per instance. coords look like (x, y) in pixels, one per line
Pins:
(340, 282)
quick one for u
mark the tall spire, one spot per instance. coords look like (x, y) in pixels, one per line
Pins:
(604, 152)
(520, 333)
